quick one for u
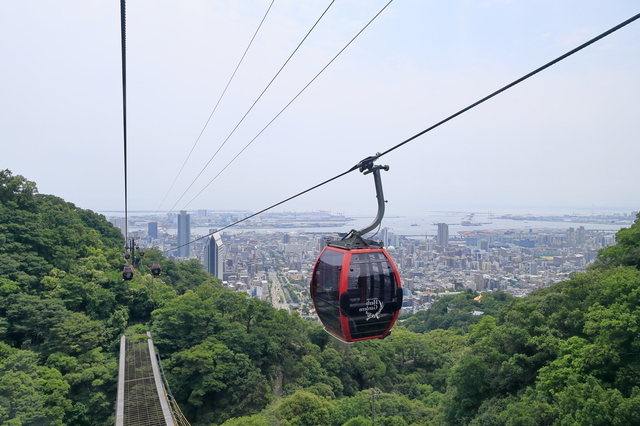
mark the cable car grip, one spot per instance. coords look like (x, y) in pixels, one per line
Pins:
(367, 166)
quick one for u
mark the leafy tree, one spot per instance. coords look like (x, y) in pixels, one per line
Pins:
(216, 383)
(108, 234)
(173, 323)
(454, 312)
(305, 409)
(358, 421)
(30, 393)
(470, 386)
(32, 318)
(482, 329)
(255, 420)
(76, 334)
(626, 251)
(16, 191)
(92, 378)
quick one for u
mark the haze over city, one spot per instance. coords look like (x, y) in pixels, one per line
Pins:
(565, 139)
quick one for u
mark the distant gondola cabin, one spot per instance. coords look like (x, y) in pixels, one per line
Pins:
(155, 269)
(127, 273)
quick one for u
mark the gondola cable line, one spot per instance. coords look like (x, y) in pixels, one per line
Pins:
(515, 82)
(449, 118)
(130, 243)
(124, 107)
(130, 246)
(216, 105)
(255, 102)
(127, 271)
(282, 110)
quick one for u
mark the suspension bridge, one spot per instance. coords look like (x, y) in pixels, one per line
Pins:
(143, 399)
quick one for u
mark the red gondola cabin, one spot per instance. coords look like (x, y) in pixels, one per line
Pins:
(156, 270)
(127, 273)
(356, 292)
(355, 285)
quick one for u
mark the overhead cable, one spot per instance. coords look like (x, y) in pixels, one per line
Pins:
(508, 86)
(216, 106)
(124, 110)
(254, 104)
(266, 209)
(520, 80)
(285, 107)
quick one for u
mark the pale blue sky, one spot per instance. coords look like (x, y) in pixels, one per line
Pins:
(568, 138)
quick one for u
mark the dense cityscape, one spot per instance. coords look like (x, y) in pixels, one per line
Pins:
(262, 259)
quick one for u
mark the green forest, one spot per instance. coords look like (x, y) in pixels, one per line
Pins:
(567, 355)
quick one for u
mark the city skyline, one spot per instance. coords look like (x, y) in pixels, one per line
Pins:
(437, 226)
(516, 260)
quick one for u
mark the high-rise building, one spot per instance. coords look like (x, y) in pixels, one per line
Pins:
(119, 222)
(571, 237)
(384, 236)
(394, 240)
(152, 230)
(442, 238)
(214, 255)
(184, 234)
(580, 235)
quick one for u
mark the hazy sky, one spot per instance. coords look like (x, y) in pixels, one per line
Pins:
(567, 138)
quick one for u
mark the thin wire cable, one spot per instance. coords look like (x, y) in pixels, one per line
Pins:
(560, 58)
(287, 105)
(268, 208)
(124, 111)
(217, 103)
(510, 85)
(254, 103)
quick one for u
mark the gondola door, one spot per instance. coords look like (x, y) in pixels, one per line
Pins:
(372, 297)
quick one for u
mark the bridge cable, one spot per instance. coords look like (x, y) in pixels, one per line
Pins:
(508, 86)
(216, 106)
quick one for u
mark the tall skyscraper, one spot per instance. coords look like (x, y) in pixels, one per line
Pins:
(214, 255)
(184, 234)
(119, 222)
(571, 237)
(394, 240)
(442, 238)
(580, 236)
(152, 230)
(384, 236)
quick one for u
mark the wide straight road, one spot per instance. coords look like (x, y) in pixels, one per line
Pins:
(278, 300)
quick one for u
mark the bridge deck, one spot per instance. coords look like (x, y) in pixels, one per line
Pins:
(142, 400)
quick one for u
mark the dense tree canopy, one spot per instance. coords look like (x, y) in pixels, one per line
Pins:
(565, 355)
